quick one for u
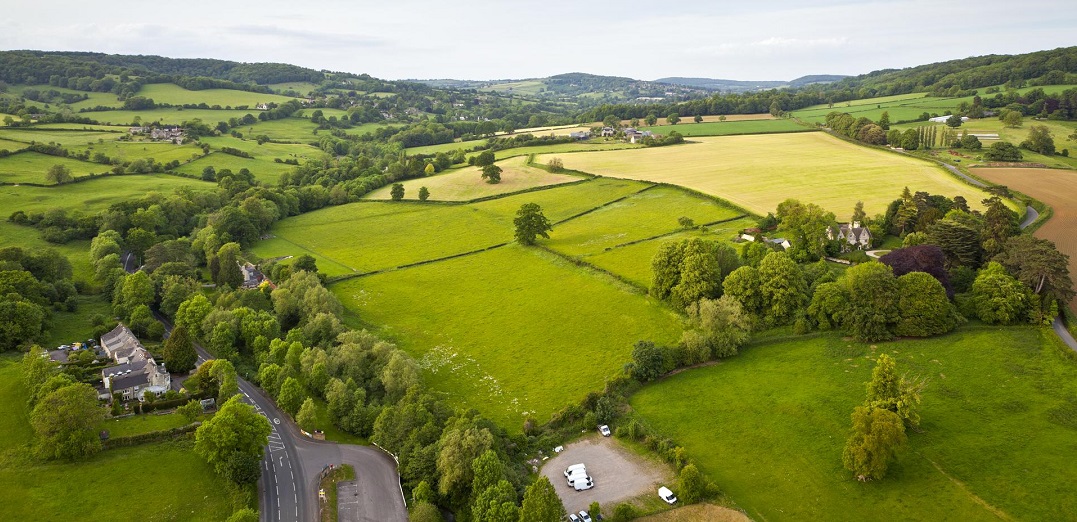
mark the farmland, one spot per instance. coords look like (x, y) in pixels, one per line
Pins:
(369, 236)
(768, 427)
(510, 346)
(1056, 188)
(36, 490)
(172, 116)
(758, 172)
(264, 170)
(731, 128)
(65, 138)
(30, 167)
(173, 94)
(466, 183)
(1060, 131)
(92, 195)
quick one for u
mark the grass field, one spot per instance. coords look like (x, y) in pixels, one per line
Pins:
(633, 262)
(30, 167)
(171, 116)
(35, 490)
(162, 152)
(530, 332)
(299, 130)
(12, 146)
(370, 236)
(65, 138)
(1056, 188)
(445, 147)
(92, 195)
(173, 94)
(78, 252)
(265, 170)
(1060, 131)
(139, 424)
(997, 417)
(300, 87)
(466, 183)
(730, 128)
(68, 327)
(758, 172)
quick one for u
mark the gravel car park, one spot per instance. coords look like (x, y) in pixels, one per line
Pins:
(618, 474)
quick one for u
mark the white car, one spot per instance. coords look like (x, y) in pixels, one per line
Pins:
(585, 517)
(667, 495)
(574, 468)
(604, 430)
(580, 474)
(573, 518)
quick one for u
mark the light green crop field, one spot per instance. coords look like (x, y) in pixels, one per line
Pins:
(173, 94)
(364, 128)
(162, 152)
(267, 151)
(759, 172)
(104, 99)
(579, 146)
(730, 128)
(294, 129)
(369, 236)
(264, 170)
(633, 262)
(513, 332)
(639, 216)
(36, 490)
(300, 87)
(466, 183)
(116, 129)
(5, 115)
(998, 418)
(12, 146)
(172, 116)
(30, 167)
(95, 194)
(526, 87)
(445, 147)
(65, 138)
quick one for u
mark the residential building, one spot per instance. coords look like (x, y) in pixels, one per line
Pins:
(851, 235)
(135, 371)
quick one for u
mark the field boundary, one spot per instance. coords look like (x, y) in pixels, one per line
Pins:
(580, 263)
(659, 236)
(961, 485)
(345, 277)
(608, 203)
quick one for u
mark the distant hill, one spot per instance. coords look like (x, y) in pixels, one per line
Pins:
(714, 84)
(585, 89)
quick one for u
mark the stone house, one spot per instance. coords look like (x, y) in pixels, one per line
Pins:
(851, 235)
(135, 371)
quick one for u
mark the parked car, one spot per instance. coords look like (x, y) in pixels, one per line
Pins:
(667, 495)
(584, 517)
(604, 430)
(580, 474)
(582, 484)
(573, 468)
(573, 518)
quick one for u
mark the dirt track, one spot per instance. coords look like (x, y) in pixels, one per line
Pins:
(1057, 188)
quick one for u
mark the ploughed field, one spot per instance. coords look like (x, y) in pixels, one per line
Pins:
(758, 172)
(1056, 188)
(513, 331)
(998, 419)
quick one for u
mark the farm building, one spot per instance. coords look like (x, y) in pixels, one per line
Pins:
(135, 371)
(942, 119)
(851, 235)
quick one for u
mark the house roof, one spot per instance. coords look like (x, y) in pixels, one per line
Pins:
(130, 381)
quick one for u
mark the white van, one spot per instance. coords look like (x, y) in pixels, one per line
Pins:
(582, 484)
(667, 495)
(574, 468)
(577, 475)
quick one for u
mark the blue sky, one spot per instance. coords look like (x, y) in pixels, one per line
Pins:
(761, 40)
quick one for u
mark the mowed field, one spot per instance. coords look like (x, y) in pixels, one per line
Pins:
(759, 172)
(731, 128)
(466, 183)
(379, 235)
(1056, 188)
(513, 332)
(37, 490)
(999, 427)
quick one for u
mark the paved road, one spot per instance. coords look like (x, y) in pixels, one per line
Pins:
(130, 263)
(293, 463)
(1031, 215)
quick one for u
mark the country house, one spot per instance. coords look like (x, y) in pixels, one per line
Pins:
(851, 235)
(135, 371)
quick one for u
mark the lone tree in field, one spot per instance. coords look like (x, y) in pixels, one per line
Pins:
(1012, 119)
(556, 165)
(673, 119)
(954, 121)
(650, 119)
(180, 356)
(397, 192)
(485, 158)
(698, 119)
(531, 223)
(876, 437)
(58, 174)
(424, 193)
(492, 174)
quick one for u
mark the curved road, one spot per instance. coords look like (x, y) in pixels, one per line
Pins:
(293, 463)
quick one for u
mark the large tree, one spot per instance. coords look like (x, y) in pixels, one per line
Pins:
(232, 436)
(1038, 264)
(805, 225)
(531, 223)
(65, 422)
(691, 269)
(179, 353)
(782, 287)
(875, 439)
(291, 395)
(58, 174)
(998, 297)
(719, 327)
(541, 503)
(929, 259)
(923, 307)
(492, 174)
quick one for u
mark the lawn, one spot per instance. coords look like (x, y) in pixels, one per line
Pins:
(759, 172)
(36, 490)
(998, 422)
(466, 183)
(173, 94)
(1056, 188)
(374, 235)
(513, 332)
(730, 128)
(30, 167)
(633, 262)
(640, 216)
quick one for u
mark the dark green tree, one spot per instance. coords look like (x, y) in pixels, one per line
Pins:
(424, 193)
(531, 223)
(179, 352)
(234, 436)
(541, 503)
(492, 174)
(648, 361)
(397, 192)
(485, 158)
(65, 422)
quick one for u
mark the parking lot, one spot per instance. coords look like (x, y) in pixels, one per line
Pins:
(618, 474)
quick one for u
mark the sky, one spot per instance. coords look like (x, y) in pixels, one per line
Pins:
(485, 39)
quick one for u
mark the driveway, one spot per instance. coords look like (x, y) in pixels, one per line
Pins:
(618, 473)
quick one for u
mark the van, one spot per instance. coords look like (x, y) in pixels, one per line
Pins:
(574, 468)
(582, 484)
(580, 474)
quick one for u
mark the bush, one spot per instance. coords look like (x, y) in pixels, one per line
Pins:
(153, 436)
(623, 512)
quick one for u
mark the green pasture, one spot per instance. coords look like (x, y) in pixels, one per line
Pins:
(265, 170)
(998, 427)
(170, 116)
(466, 183)
(525, 87)
(729, 128)
(140, 424)
(592, 145)
(293, 129)
(633, 262)
(95, 99)
(68, 327)
(173, 94)
(513, 332)
(78, 252)
(92, 195)
(30, 167)
(125, 151)
(116, 129)
(445, 147)
(1060, 131)
(12, 146)
(759, 172)
(373, 235)
(5, 115)
(363, 128)
(300, 87)
(65, 138)
(267, 151)
(640, 216)
(38, 490)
